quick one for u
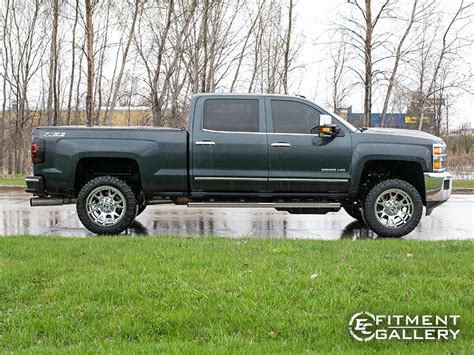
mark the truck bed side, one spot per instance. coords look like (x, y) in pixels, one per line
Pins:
(160, 155)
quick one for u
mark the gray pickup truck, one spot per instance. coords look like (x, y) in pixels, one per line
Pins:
(264, 151)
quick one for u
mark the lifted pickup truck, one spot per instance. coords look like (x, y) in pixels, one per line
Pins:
(273, 151)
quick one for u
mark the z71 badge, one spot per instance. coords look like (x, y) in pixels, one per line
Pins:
(54, 134)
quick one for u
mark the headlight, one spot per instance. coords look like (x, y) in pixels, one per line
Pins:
(439, 157)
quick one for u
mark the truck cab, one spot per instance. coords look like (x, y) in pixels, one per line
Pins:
(242, 150)
(255, 144)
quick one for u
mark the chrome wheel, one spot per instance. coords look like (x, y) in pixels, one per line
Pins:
(106, 206)
(394, 208)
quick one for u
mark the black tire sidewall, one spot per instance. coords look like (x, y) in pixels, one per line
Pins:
(369, 213)
(130, 211)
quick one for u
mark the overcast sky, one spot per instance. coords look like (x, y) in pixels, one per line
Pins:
(314, 18)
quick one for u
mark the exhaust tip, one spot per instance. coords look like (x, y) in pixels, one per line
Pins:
(45, 201)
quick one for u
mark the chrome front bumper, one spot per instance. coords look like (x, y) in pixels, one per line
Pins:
(438, 188)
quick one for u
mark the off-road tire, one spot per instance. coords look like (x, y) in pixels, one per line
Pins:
(354, 212)
(370, 215)
(129, 213)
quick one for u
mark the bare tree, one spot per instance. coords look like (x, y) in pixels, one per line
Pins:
(5, 64)
(154, 74)
(109, 112)
(101, 60)
(340, 86)
(246, 43)
(286, 62)
(448, 46)
(25, 45)
(211, 46)
(223, 43)
(53, 100)
(203, 40)
(78, 92)
(396, 63)
(160, 53)
(90, 62)
(73, 62)
(257, 48)
(361, 25)
(269, 50)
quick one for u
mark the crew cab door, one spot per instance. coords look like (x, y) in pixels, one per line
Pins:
(300, 161)
(229, 145)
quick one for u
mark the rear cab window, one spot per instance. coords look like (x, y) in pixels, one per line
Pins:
(231, 115)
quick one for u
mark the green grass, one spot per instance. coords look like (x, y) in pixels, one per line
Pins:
(463, 184)
(165, 294)
(12, 180)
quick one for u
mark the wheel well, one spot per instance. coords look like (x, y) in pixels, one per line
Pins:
(376, 171)
(122, 168)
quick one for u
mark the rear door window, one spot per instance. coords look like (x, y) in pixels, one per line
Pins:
(235, 115)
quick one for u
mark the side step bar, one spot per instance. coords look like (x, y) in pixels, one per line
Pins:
(266, 204)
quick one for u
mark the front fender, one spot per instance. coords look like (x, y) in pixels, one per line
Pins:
(366, 152)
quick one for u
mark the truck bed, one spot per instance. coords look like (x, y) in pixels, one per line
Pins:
(161, 154)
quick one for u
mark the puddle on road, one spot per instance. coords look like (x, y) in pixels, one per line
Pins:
(453, 220)
(353, 231)
(27, 222)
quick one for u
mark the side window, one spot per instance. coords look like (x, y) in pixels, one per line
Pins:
(293, 117)
(237, 115)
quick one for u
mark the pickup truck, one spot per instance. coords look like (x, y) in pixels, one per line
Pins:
(242, 150)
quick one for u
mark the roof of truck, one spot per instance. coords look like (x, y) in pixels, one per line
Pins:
(247, 94)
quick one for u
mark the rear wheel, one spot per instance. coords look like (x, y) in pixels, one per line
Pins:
(106, 205)
(393, 208)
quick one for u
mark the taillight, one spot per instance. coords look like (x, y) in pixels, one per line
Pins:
(38, 151)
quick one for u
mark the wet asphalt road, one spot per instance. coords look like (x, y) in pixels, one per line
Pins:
(453, 220)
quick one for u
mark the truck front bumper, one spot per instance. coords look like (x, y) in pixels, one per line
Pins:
(437, 189)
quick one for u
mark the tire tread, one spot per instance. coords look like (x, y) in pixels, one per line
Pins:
(371, 219)
(126, 221)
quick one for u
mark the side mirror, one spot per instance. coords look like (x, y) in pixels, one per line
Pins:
(326, 128)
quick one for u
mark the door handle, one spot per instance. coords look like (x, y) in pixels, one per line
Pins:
(281, 144)
(205, 143)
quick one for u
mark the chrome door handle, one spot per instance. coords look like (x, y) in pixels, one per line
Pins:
(205, 143)
(281, 144)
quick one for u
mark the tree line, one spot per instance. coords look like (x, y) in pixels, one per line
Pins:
(411, 56)
(66, 62)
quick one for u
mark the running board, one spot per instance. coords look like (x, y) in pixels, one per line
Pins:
(266, 204)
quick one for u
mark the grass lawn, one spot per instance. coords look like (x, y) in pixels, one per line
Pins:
(165, 294)
(463, 184)
(12, 180)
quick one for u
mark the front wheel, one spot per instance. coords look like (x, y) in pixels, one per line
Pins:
(106, 205)
(393, 208)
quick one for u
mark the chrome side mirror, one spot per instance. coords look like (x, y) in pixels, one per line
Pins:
(326, 128)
